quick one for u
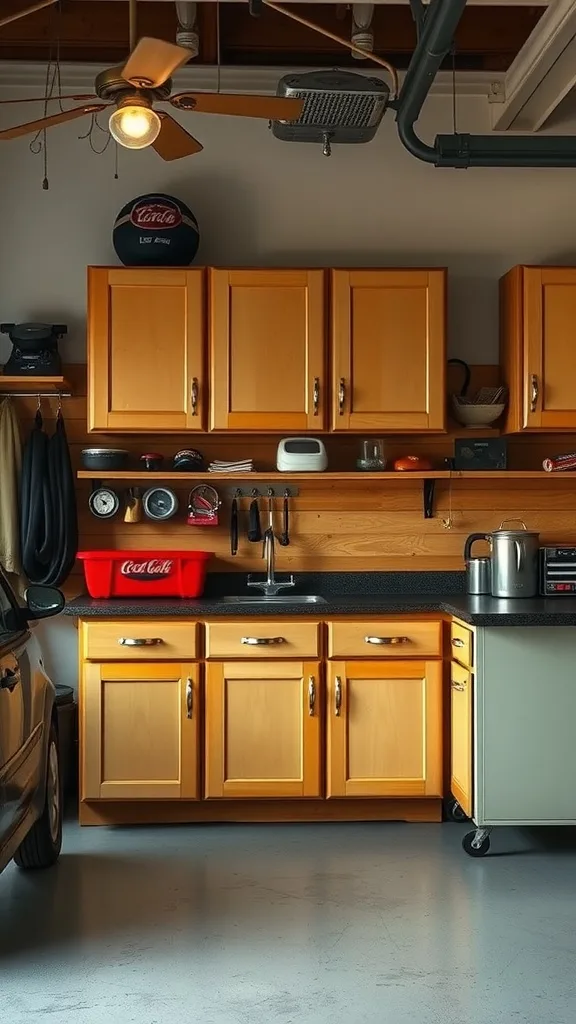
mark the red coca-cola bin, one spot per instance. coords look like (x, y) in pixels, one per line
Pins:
(145, 573)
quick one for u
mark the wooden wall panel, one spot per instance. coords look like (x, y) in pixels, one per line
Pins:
(359, 525)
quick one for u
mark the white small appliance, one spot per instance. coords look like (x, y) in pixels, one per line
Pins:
(301, 455)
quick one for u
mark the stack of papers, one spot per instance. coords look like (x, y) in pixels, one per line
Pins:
(242, 466)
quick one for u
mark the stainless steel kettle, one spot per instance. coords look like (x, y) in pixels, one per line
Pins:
(514, 558)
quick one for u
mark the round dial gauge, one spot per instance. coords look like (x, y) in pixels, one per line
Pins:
(160, 503)
(104, 503)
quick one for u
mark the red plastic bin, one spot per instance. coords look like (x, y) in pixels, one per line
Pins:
(145, 573)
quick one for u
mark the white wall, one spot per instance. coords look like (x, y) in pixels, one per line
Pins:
(260, 201)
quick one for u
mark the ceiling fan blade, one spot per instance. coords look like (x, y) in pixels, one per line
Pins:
(27, 10)
(153, 61)
(273, 108)
(50, 99)
(46, 122)
(174, 141)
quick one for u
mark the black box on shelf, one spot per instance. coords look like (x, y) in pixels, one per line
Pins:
(480, 453)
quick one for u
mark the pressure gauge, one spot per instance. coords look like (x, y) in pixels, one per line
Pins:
(104, 503)
(160, 503)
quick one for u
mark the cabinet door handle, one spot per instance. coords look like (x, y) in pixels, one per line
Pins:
(262, 641)
(458, 686)
(534, 392)
(387, 640)
(311, 696)
(194, 396)
(189, 698)
(338, 696)
(457, 642)
(146, 641)
(316, 394)
(341, 396)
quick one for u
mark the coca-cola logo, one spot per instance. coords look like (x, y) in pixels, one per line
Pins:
(150, 569)
(158, 214)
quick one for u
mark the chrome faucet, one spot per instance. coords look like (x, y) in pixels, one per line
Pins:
(270, 586)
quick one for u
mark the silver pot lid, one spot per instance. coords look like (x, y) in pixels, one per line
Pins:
(514, 534)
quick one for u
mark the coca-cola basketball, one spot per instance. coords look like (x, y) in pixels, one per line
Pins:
(156, 230)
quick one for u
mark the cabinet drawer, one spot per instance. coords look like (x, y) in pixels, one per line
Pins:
(260, 638)
(384, 638)
(103, 641)
(462, 644)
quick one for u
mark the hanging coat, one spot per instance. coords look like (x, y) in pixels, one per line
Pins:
(10, 471)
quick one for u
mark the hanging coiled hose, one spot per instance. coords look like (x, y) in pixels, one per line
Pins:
(48, 517)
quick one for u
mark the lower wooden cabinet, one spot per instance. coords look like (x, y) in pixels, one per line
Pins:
(384, 728)
(139, 731)
(461, 737)
(263, 735)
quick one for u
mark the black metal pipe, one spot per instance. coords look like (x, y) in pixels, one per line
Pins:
(438, 29)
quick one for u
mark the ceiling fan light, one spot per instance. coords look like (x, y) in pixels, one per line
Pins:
(134, 126)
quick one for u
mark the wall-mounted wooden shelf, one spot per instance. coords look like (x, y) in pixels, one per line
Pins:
(44, 386)
(357, 477)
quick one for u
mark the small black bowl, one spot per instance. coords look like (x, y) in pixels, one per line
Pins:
(103, 459)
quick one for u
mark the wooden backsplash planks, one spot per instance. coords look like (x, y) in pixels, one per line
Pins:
(359, 525)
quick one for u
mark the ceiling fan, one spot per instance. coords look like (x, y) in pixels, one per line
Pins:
(132, 90)
(145, 79)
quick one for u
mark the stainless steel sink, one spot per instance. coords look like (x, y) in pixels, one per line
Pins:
(279, 599)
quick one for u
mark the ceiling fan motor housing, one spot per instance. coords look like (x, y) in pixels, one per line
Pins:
(339, 105)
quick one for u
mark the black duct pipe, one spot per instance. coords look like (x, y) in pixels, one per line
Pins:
(437, 30)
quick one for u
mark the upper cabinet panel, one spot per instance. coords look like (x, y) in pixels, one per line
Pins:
(145, 349)
(267, 350)
(538, 313)
(389, 350)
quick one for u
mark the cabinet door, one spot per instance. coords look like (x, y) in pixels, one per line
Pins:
(267, 350)
(145, 349)
(140, 731)
(385, 728)
(263, 729)
(461, 737)
(389, 349)
(549, 379)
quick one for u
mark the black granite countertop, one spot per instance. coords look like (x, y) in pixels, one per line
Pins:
(348, 594)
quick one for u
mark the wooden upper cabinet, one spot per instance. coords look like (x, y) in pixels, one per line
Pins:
(384, 728)
(145, 349)
(538, 313)
(140, 731)
(267, 350)
(263, 729)
(389, 350)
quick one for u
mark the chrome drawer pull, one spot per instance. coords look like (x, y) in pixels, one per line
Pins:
(456, 642)
(458, 686)
(311, 696)
(316, 399)
(262, 641)
(194, 396)
(387, 640)
(129, 641)
(189, 698)
(338, 697)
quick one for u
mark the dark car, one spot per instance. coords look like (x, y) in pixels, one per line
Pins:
(30, 786)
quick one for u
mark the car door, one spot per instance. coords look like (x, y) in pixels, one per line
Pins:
(16, 726)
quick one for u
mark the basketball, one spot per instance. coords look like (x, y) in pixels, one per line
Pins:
(156, 230)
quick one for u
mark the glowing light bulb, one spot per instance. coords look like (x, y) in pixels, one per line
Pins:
(134, 126)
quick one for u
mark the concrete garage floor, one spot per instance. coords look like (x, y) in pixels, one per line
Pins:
(307, 924)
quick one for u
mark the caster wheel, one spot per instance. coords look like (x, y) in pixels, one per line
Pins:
(454, 812)
(474, 851)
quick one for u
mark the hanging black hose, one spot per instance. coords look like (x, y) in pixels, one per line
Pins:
(49, 525)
